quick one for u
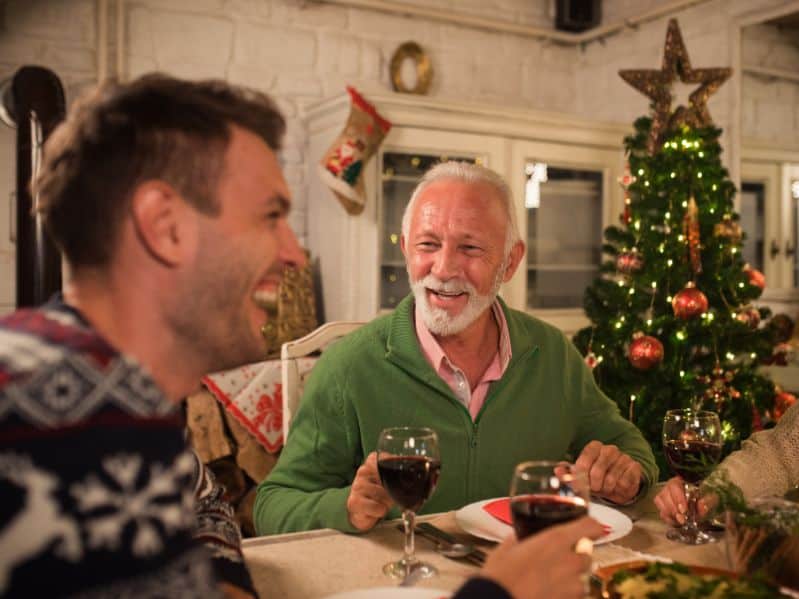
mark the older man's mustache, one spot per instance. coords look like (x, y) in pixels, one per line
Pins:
(454, 286)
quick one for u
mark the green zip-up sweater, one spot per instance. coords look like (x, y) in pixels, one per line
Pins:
(546, 407)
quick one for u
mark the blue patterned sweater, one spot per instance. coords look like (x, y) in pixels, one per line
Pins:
(100, 495)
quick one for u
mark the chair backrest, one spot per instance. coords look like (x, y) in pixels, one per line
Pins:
(290, 354)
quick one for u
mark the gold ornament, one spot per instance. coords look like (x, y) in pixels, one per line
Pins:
(690, 226)
(728, 228)
(656, 84)
(294, 315)
(720, 388)
(424, 71)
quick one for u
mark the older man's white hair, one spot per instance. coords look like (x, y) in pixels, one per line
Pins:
(468, 173)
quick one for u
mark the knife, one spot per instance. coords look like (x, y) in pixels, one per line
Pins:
(429, 531)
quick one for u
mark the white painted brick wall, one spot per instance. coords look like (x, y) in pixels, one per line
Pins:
(200, 45)
(303, 50)
(769, 107)
(704, 29)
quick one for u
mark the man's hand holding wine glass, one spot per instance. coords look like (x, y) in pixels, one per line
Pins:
(368, 501)
(612, 474)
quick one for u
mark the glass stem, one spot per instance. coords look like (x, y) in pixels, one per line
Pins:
(691, 498)
(409, 519)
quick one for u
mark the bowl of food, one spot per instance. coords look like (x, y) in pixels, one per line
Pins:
(656, 580)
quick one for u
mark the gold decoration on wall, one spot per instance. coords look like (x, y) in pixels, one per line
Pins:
(295, 313)
(656, 84)
(424, 70)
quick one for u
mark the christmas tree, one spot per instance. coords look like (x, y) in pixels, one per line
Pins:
(673, 325)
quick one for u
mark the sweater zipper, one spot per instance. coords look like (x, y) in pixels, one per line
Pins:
(472, 461)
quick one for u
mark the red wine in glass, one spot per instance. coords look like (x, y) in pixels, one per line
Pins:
(534, 513)
(692, 460)
(410, 480)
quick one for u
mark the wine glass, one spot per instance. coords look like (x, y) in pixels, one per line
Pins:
(409, 463)
(543, 494)
(692, 443)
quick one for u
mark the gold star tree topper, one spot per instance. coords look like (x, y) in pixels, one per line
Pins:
(656, 84)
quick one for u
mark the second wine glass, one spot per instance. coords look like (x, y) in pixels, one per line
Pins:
(543, 494)
(692, 443)
(409, 463)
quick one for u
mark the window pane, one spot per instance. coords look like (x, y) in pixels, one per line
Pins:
(753, 223)
(564, 234)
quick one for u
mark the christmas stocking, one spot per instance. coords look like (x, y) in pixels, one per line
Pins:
(343, 163)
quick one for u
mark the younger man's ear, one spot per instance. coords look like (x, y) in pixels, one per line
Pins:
(163, 222)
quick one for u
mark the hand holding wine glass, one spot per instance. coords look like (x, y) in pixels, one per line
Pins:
(544, 565)
(672, 505)
(409, 463)
(368, 502)
(692, 443)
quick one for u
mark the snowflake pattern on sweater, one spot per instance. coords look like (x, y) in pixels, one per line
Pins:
(101, 495)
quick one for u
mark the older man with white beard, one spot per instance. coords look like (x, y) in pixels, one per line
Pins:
(499, 386)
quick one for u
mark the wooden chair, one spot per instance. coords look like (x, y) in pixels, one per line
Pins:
(290, 354)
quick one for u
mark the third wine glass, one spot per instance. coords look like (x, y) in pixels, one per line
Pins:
(692, 443)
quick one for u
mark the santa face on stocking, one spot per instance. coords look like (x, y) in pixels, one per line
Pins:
(346, 161)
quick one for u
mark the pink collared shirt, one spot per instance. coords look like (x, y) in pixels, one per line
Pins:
(453, 376)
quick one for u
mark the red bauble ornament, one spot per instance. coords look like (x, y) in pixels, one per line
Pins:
(755, 277)
(645, 351)
(689, 302)
(749, 316)
(591, 360)
(629, 262)
(782, 401)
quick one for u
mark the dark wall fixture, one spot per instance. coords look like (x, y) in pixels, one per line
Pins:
(577, 15)
(32, 101)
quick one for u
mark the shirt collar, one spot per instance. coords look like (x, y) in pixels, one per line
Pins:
(436, 356)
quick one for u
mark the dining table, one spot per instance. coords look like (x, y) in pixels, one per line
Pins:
(320, 563)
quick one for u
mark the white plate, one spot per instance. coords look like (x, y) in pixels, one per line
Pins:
(393, 593)
(478, 522)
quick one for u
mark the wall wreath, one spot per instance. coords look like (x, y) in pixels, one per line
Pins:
(424, 70)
